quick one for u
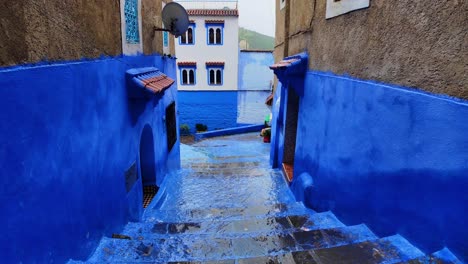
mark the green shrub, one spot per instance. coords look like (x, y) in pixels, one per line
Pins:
(184, 129)
(201, 127)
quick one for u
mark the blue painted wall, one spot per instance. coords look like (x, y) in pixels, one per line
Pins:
(251, 107)
(254, 71)
(216, 109)
(222, 109)
(68, 134)
(393, 158)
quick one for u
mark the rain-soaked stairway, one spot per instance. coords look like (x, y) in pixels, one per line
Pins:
(227, 206)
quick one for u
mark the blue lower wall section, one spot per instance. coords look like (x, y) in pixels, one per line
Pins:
(392, 158)
(68, 134)
(222, 109)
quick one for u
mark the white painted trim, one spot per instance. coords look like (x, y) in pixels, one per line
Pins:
(336, 8)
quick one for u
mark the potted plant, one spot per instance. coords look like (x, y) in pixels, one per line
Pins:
(201, 127)
(184, 130)
(266, 134)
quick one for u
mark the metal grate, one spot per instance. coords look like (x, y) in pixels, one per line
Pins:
(148, 194)
(131, 21)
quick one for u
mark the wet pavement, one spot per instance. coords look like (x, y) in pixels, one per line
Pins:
(226, 205)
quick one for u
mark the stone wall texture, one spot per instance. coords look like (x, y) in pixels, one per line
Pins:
(421, 44)
(39, 30)
(58, 30)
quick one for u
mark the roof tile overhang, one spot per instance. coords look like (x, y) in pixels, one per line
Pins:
(187, 63)
(213, 12)
(292, 70)
(293, 65)
(214, 21)
(283, 64)
(147, 79)
(215, 63)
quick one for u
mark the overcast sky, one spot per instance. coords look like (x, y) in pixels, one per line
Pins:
(258, 15)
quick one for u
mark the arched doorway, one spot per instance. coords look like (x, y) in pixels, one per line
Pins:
(148, 165)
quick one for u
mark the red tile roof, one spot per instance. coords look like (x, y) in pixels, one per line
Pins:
(214, 63)
(187, 63)
(283, 64)
(214, 21)
(157, 84)
(213, 12)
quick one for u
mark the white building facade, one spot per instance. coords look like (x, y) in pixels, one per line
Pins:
(208, 53)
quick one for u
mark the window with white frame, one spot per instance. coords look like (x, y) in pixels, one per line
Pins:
(188, 75)
(188, 38)
(215, 32)
(215, 75)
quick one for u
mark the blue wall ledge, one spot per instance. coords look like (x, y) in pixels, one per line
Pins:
(68, 134)
(391, 157)
(229, 131)
(222, 109)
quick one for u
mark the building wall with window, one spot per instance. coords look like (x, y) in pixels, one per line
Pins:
(374, 121)
(77, 141)
(212, 44)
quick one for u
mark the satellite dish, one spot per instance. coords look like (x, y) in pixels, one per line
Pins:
(175, 19)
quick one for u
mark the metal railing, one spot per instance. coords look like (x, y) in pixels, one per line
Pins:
(208, 4)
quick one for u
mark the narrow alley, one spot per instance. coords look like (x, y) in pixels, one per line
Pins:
(227, 206)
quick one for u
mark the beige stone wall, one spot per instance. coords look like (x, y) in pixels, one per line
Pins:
(419, 43)
(38, 30)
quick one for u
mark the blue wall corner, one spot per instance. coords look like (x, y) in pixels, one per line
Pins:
(393, 158)
(68, 134)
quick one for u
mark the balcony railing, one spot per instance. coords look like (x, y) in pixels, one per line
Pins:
(209, 4)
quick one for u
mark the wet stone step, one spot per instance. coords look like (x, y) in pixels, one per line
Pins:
(225, 174)
(301, 257)
(333, 237)
(228, 213)
(247, 227)
(218, 228)
(386, 250)
(222, 165)
(201, 247)
(444, 256)
(193, 249)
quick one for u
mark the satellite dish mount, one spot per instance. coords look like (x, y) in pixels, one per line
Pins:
(175, 19)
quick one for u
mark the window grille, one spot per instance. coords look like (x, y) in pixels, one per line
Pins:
(131, 21)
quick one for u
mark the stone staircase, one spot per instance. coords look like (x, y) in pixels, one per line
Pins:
(227, 206)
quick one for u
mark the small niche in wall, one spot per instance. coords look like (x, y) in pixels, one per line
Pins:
(340, 7)
(131, 176)
(171, 126)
